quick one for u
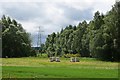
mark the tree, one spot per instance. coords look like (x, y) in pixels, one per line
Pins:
(100, 38)
(95, 31)
(16, 41)
(50, 45)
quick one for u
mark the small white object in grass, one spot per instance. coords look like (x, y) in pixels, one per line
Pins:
(6, 56)
(77, 59)
(57, 59)
(52, 59)
(74, 59)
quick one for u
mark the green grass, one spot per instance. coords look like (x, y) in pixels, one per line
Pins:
(57, 72)
(36, 67)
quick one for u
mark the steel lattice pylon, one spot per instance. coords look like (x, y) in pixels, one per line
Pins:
(39, 42)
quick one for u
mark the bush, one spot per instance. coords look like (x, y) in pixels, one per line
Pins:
(77, 55)
(71, 55)
(33, 53)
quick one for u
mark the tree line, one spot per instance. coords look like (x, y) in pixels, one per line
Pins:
(100, 38)
(16, 41)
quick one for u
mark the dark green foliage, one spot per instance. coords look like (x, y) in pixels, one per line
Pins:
(100, 38)
(15, 40)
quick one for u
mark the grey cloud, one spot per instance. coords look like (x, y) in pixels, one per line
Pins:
(21, 11)
(76, 14)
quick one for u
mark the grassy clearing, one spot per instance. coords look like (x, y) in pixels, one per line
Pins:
(31, 67)
(57, 72)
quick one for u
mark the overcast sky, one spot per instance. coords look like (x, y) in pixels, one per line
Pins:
(52, 15)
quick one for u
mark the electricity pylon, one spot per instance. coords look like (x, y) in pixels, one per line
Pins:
(39, 42)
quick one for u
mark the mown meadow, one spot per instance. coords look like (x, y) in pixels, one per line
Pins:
(41, 67)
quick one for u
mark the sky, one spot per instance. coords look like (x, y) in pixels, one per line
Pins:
(51, 15)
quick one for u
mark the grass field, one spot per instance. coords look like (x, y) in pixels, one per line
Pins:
(36, 67)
